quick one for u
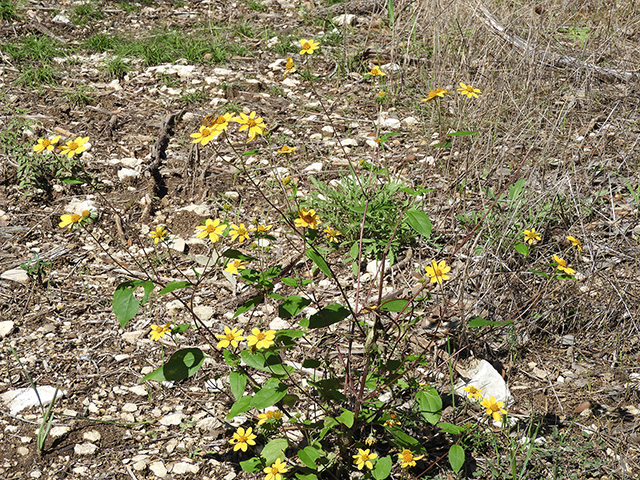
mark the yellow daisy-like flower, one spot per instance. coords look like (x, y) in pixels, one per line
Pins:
(231, 337)
(212, 228)
(74, 147)
(575, 242)
(377, 72)
(159, 331)
(407, 459)
(261, 339)
(494, 409)
(273, 472)
(473, 392)
(332, 235)
(71, 221)
(205, 135)
(289, 67)
(234, 267)
(238, 231)
(242, 439)
(46, 144)
(531, 236)
(437, 93)
(437, 272)
(308, 46)
(363, 458)
(307, 219)
(255, 125)
(286, 181)
(269, 415)
(261, 229)
(285, 149)
(562, 265)
(468, 90)
(221, 122)
(158, 234)
(382, 95)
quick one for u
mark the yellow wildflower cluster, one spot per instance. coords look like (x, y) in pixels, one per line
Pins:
(212, 126)
(464, 89)
(71, 148)
(74, 220)
(532, 237)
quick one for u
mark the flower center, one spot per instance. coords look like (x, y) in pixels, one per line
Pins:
(73, 146)
(251, 122)
(306, 46)
(75, 218)
(206, 132)
(211, 228)
(46, 142)
(261, 336)
(219, 120)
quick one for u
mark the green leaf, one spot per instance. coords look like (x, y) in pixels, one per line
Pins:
(270, 394)
(419, 221)
(266, 361)
(238, 383)
(309, 455)
(183, 364)
(456, 457)
(329, 423)
(319, 261)
(403, 440)
(451, 428)
(516, 189)
(311, 363)
(289, 281)
(174, 285)
(180, 328)
(462, 134)
(329, 315)
(481, 322)
(292, 306)
(249, 304)
(73, 180)
(274, 450)
(330, 389)
(430, 404)
(394, 305)
(230, 358)
(240, 406)
(346, 418)
(382, 469)
(237, 255)
(252, 465)
(125, 304)
(306, 476)
(522, 249)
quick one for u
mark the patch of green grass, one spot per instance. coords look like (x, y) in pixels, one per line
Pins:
(257, 6)
(36, 48)
(117, 68)
(276, 91)
(86, 13)
(245, 29)
(8, 11)
(36, 77)
(101, 42)
(129, 7)
(285, 46)
(194, 98)
(80, 96)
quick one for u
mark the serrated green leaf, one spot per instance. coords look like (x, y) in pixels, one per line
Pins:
(456, 457)
(382, 468)
(183, 364)
(419, 221)
(240, 406)
(237, 383)
(292, 306)
(173, 286)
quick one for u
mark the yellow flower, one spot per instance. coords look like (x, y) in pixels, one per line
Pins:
(332, 235)
(269, 415)
(308, 46)
(231, 337)
(370, 440)
(473, 392)
(494, 408)
(286, 181)
(158, 234)
(376, 72)
(391, 423)
(468, 90)
(212, 228)
(159, 331)
(261, 339)
(241, 439)
(562, 265)
(273, 472)
(289, 67)
(382, 95)
(238, 231)
(46, 144)
(437, 93)
(234, 267)
(261, 229)
(575, 242)
(307, 219)
(70, 221)
(220, 123)
(437, 272)
(531, 236)
(408, 459)
(74, 147)
(205, 135)
(364, 458)
(285, 149)
(255, 125)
